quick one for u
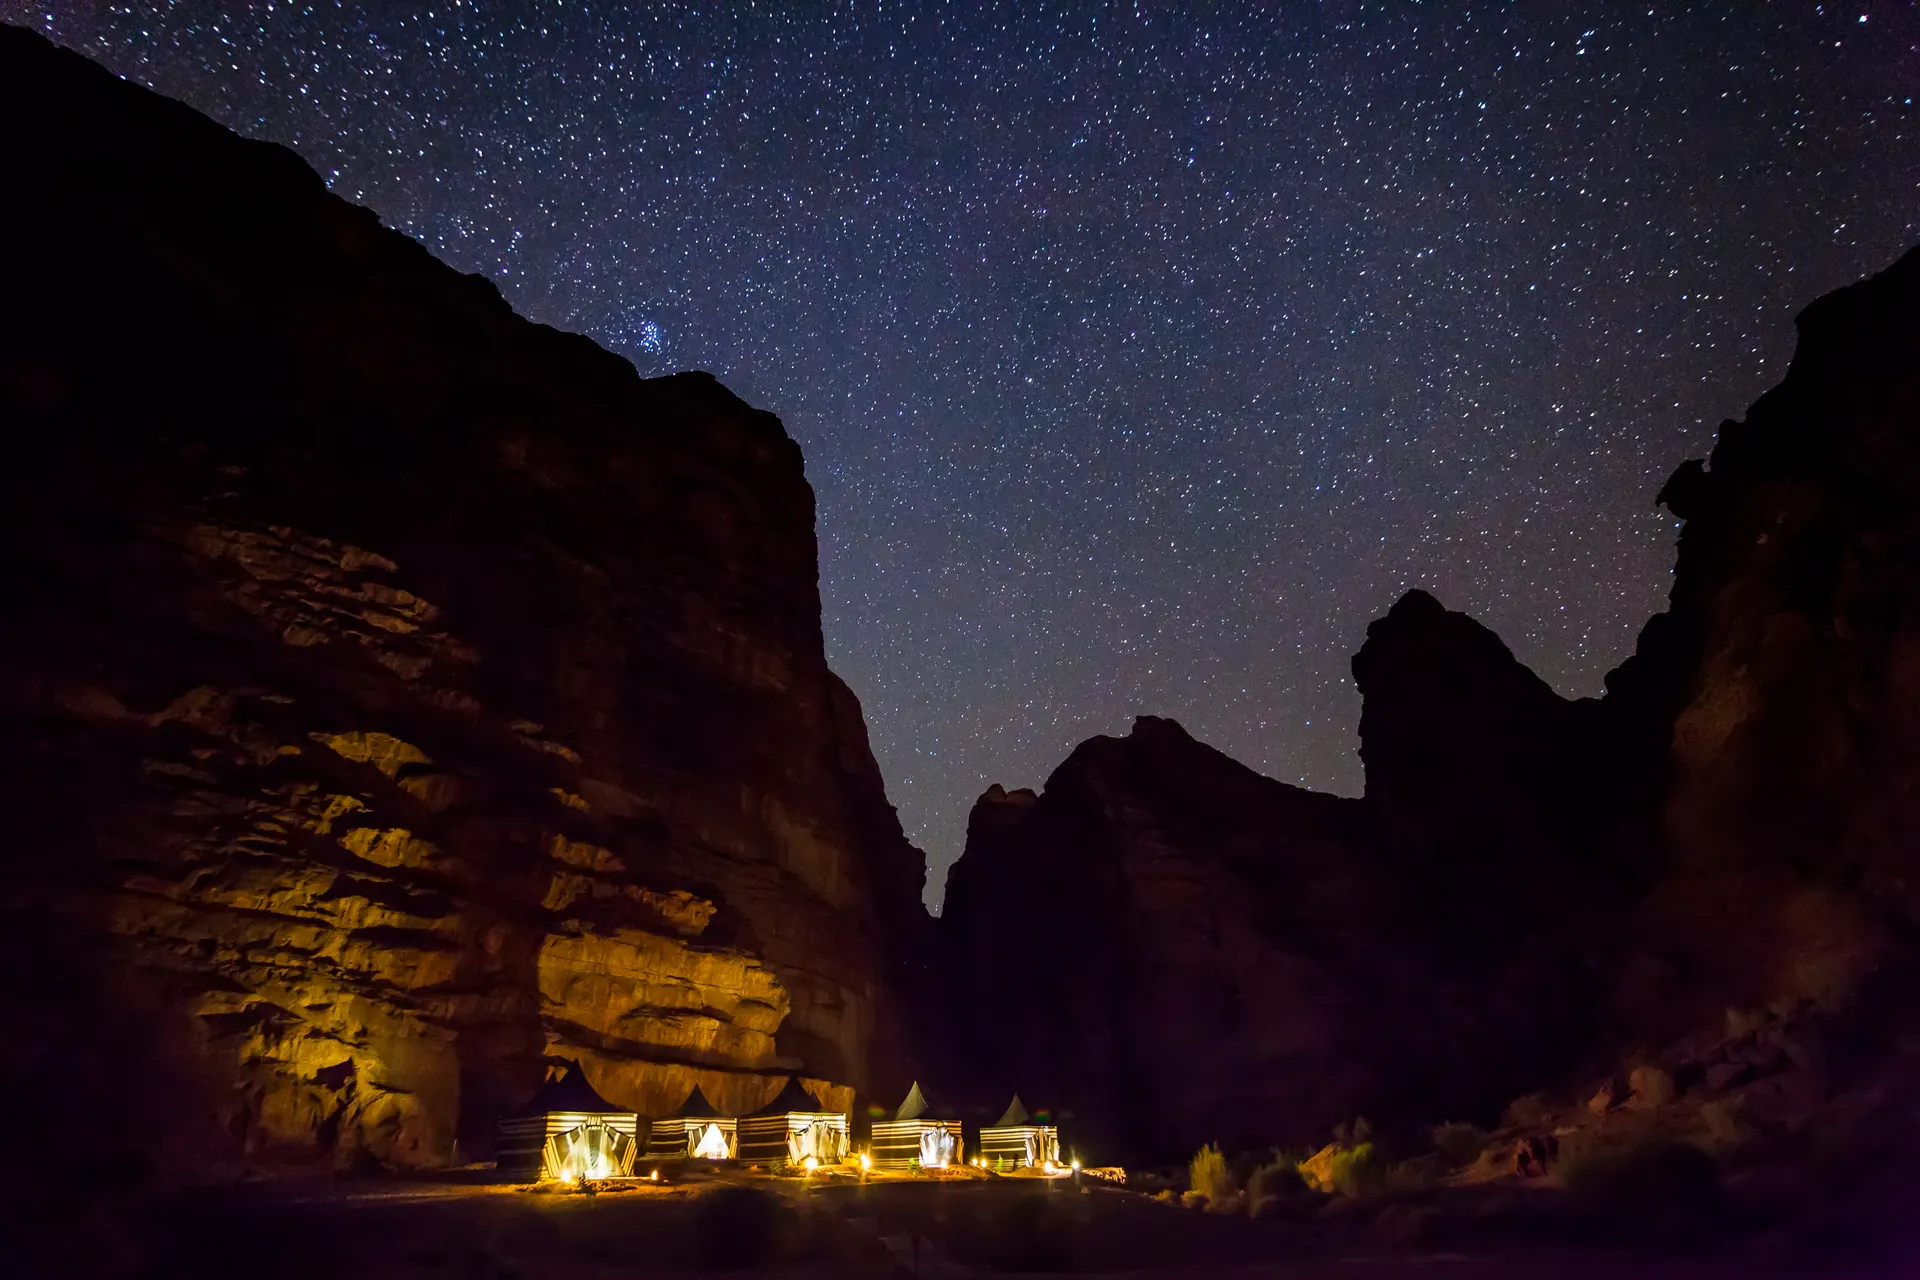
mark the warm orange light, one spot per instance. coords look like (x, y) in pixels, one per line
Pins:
(811, 1164)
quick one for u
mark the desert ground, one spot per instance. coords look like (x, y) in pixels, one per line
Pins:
(469, 1226)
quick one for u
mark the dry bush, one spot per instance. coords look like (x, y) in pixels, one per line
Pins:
(1208, 1175)
(1348, 1171)
(1353, 1133)
(1271, 1184)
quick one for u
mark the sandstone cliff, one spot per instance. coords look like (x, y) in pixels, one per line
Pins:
(1782, 688)
(1173, 949)
(395, 693)
(1165, 941)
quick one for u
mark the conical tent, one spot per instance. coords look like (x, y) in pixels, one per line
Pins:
(793, 1098)
(567, 1091)
(568, 1131)
(915, 1105)
(1015, 1142)
(1016, 1114)
(916, 1137)
(796, 1128)
(696, 1131)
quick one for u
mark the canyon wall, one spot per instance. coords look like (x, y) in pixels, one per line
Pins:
(1782, 687)
(394, 693)
(1531, 886)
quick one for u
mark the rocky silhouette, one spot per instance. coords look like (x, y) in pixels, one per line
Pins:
(1546, 882)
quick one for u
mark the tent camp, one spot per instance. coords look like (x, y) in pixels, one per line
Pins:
(567, 1131)
(697, 1132)
(916, 1136)
(1015, 1142)
(793, 1129)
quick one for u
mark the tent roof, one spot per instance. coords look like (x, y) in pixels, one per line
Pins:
(569, 1091)
(916, 1107)
(696, 1107)
(793, 1098)
(1016, 1115)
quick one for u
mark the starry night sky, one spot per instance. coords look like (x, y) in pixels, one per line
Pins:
(1141, 353)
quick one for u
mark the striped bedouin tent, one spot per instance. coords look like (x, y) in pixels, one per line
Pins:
(1014, 1141)
(568, 1132)
(916, 1137)
(695, 1132)
(793, 1129)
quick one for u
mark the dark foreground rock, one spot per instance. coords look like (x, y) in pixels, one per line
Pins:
(394, 693)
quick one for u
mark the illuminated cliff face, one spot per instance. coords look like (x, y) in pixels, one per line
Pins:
(403, 692)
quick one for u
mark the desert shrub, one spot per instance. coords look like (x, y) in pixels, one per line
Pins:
(1526, 1111)
(734, 1228)
(1271, 1183)
(1208, 1175)
(1347, 1171)
(1242, 1166)
(1658, 1187)
(1458, 1141)
(1193, 1200)
(1353, 1133)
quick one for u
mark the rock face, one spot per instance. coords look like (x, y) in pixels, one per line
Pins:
(1784, 683)
(1184, 952)
(1489, 792)
(395, 693)
(1174, 949)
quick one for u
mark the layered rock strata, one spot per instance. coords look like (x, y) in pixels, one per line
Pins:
(397, 693)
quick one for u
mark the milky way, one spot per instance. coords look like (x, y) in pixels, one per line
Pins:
(1141, 354)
